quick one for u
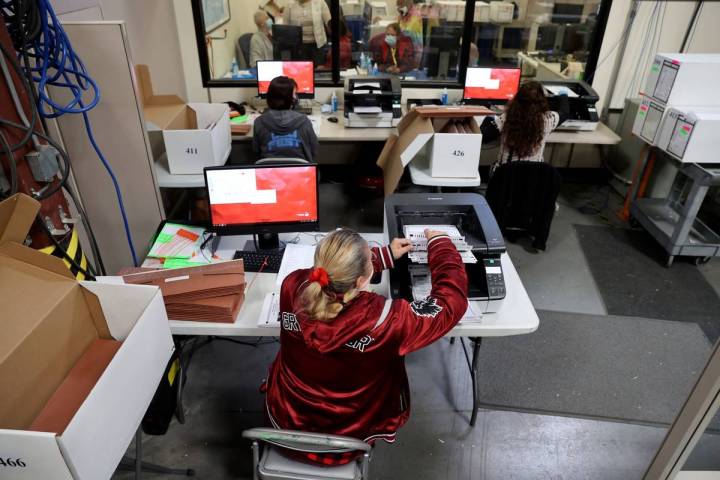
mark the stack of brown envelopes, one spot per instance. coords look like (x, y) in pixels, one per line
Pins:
(206, 293)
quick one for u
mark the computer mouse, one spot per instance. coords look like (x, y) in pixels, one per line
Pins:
(333, 119)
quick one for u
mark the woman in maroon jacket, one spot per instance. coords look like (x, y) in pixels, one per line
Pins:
(393, 51)
(340, 369)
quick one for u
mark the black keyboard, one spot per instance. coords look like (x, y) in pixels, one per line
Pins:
(304, 110)
(254, 261)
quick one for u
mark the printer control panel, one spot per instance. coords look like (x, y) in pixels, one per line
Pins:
(495, 279)
(397, 110)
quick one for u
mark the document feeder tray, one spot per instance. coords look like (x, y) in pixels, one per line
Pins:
(472, 216)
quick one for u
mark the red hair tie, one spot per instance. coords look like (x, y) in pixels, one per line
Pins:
(320, 275)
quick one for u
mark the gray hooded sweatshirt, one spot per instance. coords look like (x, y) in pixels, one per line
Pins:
(284, 133)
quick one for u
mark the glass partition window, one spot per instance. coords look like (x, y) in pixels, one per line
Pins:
(549, 40)
(260, 30)
(403, 37)
(420, 40)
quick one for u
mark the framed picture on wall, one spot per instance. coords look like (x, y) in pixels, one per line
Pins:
(215, 13)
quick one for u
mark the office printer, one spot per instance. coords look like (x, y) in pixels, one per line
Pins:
(581, 98)
(373, 101)
(479, 239)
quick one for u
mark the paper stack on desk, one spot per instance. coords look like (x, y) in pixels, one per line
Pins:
(206, 293)
(297, 256)
(270, 312)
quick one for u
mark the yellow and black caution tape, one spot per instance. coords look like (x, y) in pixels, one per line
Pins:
(74, 251)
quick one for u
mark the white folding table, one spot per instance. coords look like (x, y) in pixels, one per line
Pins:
(516, 316)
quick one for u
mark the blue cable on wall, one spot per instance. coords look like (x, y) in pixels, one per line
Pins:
(55, 64)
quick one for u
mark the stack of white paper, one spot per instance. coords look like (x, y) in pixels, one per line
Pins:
(296, 257)
(270, 312)
(473, 314)
(416, 235)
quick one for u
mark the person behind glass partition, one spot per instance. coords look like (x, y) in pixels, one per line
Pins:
(345, 48)
(261, 47)
(393, 51)
(411, 24)
(313, 16)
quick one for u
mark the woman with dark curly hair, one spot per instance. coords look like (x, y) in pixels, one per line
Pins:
(526, 123)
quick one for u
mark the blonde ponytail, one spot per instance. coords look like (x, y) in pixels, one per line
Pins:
(345, 256)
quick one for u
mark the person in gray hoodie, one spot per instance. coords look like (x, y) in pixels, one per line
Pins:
(281, 131)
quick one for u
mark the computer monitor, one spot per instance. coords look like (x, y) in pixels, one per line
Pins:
(287, 42)
(441, 54)
(515, 38)
(301, 72)
(567, 13)
(546, 36)
(491, 85)
(576, 38)
(263, 199)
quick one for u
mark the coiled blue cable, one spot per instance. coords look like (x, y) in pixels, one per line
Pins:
(55, 64)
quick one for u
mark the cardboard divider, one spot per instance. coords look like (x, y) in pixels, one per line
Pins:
(65, 402)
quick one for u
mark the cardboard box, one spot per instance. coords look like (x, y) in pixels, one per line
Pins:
(501, 12)
(482, 12)
(352, 7)
(49, 320)
(684, 79)
(196, 135)
(449, 155)
(451, 10)
(691, 134)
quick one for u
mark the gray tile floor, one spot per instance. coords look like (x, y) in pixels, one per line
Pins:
(437, 443)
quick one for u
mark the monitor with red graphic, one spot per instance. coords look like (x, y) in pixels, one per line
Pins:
(485, 83)
(301, 72)
(257, 198)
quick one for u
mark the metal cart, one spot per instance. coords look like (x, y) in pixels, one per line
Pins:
(673, 221)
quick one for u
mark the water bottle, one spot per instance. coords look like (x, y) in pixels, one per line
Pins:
(444, 96)
(234, 71)
(334, 102)
(375, 69)
(362, 60)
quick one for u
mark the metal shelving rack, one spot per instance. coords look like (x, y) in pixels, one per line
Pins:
(673, 221)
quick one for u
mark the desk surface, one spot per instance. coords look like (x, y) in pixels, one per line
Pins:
(336, 132)
(602, 135)
(516, 316)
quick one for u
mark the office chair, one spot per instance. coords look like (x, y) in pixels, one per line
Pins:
(282, 161)
(522, 197)
(243, 50)
(269, 464)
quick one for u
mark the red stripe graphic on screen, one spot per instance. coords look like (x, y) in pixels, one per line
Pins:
(491, 83)
(302, 72)
(280, 195)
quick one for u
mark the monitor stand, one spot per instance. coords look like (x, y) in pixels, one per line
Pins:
(267, 242)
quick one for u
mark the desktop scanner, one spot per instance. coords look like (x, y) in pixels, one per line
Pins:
(373, 101)
(582, 98)
(479, 239)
